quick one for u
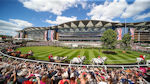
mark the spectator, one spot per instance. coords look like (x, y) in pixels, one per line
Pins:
(20, 72)
(73, 79)
(64, 79)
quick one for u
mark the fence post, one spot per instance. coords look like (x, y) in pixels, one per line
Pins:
(122, 67)
(105, 67)
(61, 64)
(87, 66)
(147, 62)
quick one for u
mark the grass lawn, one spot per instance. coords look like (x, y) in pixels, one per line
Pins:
(42, 53)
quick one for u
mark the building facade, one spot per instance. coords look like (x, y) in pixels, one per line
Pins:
(86, 30)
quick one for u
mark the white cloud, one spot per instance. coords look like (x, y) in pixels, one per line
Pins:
(10, 27)
(86, 18)
(21, 23)
(83, 4)
(108, 10)
(4, 25)
(92, 5)
(138, 17)
(61, 19)
(111, 10)
(53, 6)
(8, 32)
(136, 8)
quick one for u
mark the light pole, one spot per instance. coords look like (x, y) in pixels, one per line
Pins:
(125, 26)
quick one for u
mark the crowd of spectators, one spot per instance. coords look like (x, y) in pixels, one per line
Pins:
(138, 47)
(44, 43)
(5, 45)
(21, 72)
(11, 51)
(63, 43)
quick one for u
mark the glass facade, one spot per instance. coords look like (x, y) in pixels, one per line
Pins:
(80, 34)
(35, 34)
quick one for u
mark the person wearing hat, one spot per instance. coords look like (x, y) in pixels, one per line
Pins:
(64, 79)
(30, 80)
(22, 76)
(83, 78)
(73, 79)
(92, 79)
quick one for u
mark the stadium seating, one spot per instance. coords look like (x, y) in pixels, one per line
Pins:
(137, 47)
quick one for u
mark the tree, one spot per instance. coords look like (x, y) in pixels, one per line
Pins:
(126, 41)
(3, 37)
(109, 39)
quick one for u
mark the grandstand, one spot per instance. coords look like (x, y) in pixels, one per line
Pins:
(118, 68)
(86, 30)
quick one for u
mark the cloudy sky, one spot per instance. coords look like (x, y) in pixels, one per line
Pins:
(18, 14)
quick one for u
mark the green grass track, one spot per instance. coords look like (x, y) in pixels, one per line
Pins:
(42, 53)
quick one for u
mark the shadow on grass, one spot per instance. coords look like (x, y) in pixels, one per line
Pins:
(109, 52)
(32, 57)
(128, 52)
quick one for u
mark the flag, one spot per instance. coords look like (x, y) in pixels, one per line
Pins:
(51, 35)
(48, 34)
(132, 32)
(21, 34)
(45, 35)
(119, 31)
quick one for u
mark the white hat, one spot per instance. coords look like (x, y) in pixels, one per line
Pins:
(37, 75)
(72, 75)
(65, 75)
(23, 72)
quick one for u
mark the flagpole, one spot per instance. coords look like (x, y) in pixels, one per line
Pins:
(125, 25)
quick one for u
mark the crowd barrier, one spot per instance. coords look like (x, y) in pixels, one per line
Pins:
(146, 81)
(66, 64)
(77, 65)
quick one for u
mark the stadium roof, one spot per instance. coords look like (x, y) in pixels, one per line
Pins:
(89, 24)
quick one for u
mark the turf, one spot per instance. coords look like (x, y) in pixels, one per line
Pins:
(42, 53)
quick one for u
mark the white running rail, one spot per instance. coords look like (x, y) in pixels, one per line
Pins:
(66, 64)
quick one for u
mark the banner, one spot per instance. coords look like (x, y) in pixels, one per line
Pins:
(21, 35)
(51, 35)
(119, 33)
(132, 32)
(45, 35)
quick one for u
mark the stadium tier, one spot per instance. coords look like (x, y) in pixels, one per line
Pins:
(86, 30)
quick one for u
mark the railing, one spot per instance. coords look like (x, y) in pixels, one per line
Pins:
(66, 64)
(77, 65)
